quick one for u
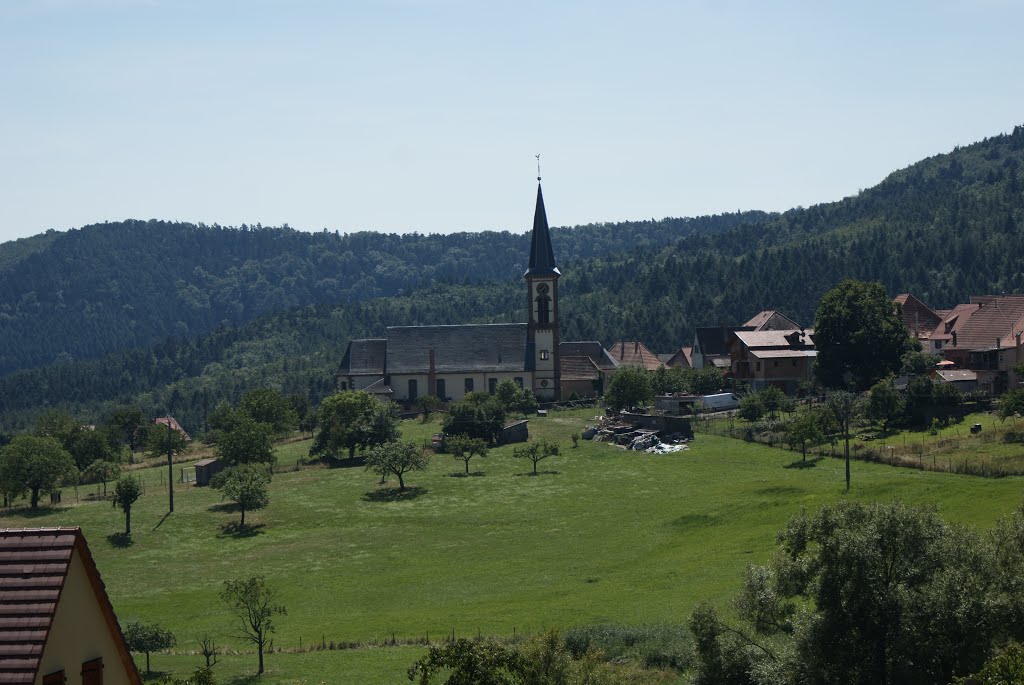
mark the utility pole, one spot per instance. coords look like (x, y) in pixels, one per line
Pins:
(170, 467)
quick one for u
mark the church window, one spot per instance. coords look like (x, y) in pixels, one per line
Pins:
(543, 309)
(544, 354)
(469, 385)
(344, 385)
(441, 389)
(492, 385)
(519, 381)
(413, 390)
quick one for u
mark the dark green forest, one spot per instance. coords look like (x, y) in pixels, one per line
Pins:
(944, 228)
(114, 286)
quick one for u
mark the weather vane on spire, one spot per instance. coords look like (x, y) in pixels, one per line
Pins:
(538, 166)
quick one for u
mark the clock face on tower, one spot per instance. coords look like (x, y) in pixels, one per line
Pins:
(543, 288)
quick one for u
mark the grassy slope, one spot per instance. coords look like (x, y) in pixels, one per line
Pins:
(611, 536)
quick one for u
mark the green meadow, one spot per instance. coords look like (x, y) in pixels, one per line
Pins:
(601, 535)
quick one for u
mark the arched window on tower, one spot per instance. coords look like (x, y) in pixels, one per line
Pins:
(543, 309)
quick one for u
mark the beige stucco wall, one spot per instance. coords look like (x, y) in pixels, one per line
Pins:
(80, 633)
(455, 383)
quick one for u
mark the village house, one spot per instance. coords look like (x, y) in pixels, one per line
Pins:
(56, 622)
(982, 336)
(451, 361)
(712, 344)
(780, 358)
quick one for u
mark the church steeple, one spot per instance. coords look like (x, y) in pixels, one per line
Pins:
(542, 336)
(542, 257)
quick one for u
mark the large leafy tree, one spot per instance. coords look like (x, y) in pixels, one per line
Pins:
(868, 594)
(247, 485)
(859, 336)
(345, 423)
(477, 415)
(34, 464)
(246, 442)
(630, 387)
(269, 406)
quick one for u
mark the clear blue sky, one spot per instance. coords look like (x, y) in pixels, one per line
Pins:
(405, 115)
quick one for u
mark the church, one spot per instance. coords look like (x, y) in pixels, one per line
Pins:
(450, 361)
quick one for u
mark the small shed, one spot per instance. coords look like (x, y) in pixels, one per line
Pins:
(207, 469)
(514, 432)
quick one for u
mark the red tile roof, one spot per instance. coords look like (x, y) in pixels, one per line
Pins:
(578, 369)
(993, 323)
(918, 318)
(34, 564)
(635, 353)
(165, 420)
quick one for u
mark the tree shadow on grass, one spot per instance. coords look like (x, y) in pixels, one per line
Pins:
(801, 464)
(539, 473)
(238, 531)
(154, 676)
(120, 540)
(463, 474)
(346, 463)
(224, 507)
(394, 494)
(30, 513)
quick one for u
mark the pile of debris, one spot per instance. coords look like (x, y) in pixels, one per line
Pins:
(630, 435)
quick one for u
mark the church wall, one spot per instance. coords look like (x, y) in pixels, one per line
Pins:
(455, 383)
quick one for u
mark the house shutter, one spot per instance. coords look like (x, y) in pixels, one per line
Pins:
(55, 678)
(92, 672)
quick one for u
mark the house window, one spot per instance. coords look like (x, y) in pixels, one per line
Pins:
(413, 390)
(492, 385)
(794, 362)
(544, 354)
(92, 672)
(519, 381)
(440, 389)
(757, 367)
(775, 363)
(469, 385)
(344, 385)
(56, 678)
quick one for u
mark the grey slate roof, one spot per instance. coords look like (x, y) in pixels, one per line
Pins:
(542, 257)
(588, 348)
(477, 348)
(364, 356)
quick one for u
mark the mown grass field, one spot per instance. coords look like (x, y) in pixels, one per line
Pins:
(949, 448)
(602, 535)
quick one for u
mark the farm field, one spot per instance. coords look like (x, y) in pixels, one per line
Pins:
(602, 535)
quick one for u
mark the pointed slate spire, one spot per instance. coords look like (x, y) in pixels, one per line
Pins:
(542, 257)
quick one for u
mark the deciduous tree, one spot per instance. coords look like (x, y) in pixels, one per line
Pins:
(126, 491)
(247, 485)
(630, 387)
(535, 452)
(147, 637)
(344, 423)
(35, 464)
(465, 448)
(252, 601)
(246, 442)
(398, 459)
(859, 336)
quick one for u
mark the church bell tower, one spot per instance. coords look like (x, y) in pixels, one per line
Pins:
(542, 336)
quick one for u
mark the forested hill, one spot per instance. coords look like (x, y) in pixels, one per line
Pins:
(114, 286)
(945, 228)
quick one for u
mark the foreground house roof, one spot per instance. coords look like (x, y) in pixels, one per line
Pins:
(35, 566)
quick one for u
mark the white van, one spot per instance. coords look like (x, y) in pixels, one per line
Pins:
(721, 402)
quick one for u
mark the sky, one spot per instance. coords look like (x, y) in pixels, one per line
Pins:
(426, 115)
